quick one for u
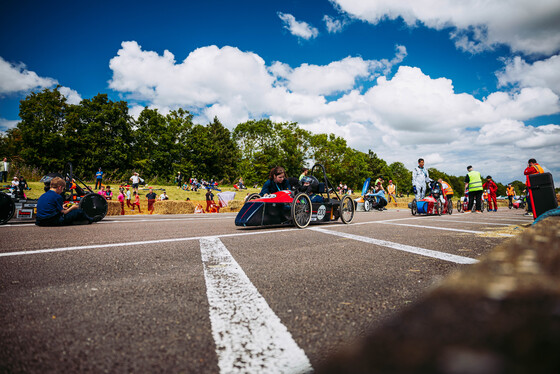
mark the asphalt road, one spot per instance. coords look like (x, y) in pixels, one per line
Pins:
(195, 294)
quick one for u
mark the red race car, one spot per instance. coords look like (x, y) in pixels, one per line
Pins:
(318, 203)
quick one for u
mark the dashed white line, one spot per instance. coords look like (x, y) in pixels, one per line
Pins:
(249, 337)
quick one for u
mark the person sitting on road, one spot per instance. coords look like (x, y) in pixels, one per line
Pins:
(50, 209)
(277, 181)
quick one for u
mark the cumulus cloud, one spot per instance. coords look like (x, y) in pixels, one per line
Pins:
(543, 73)
(334, 25)
(6, 124)
(298, 28)
(403, 117)
(525, 25)
(16, 78)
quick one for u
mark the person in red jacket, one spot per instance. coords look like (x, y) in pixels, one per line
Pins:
(491, 188)
(532, 168)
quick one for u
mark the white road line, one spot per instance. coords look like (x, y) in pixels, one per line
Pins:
(402, 247)
(249, 337)
(434, 227)
(126, 244)
(117, 219)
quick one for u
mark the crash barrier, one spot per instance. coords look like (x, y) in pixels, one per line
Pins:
(170, 207)
(501, 315)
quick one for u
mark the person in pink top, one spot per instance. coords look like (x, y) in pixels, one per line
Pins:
(102, 191)
(121, 200)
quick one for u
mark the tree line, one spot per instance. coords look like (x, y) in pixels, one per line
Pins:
(99, 132)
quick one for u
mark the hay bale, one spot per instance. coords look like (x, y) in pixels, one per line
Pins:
(114, 208)
(173, 207)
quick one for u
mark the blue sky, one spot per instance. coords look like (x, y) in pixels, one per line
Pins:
(456, 83)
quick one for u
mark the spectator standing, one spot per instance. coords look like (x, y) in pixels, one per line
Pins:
(420, 177)
(209, 200)
(98, 178)
(136, 201)
(4, 169)
(510, 191)
(151, 200)
(135, 182)
(128, 203)
(473, 181)
(392, 192)
(22, 186)
(491, 188)
(532, 168)
(121, 200)
(179, 179)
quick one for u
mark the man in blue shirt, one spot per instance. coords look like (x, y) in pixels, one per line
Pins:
(98, 178)
(50, 209)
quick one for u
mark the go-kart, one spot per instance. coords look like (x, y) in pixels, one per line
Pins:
(93, 204)
(463, 204)
(371, 201)
(433, 204)
(317, 203)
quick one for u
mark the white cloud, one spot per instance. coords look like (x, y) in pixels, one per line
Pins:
(525, 25)
(72, 96)
(333, 25)
(298, 28)
(401, 118)
(16, 78)
(6, 124)
(543, 73)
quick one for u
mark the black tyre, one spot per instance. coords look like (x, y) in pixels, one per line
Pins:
(301, 210)
(253, 196)
(367, 205)
(459, 206)
(94, 205)
(7, 208)
(413, 207)
(449, 207)
(482, 205)
(438, 207)
(347, 209)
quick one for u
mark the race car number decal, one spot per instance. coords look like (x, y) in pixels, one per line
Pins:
(321, 212)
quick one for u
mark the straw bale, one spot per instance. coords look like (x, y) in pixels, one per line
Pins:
(114, 208)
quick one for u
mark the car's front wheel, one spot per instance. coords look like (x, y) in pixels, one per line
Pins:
(301, 210)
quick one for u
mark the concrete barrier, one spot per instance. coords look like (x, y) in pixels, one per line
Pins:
(501, 315)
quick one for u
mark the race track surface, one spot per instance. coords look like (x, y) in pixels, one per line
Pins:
(195, 294)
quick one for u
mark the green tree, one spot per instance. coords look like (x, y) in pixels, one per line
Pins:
(43, 144)
(401, 176)
(98, 133)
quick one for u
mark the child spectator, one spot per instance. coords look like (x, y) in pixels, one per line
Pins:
(102, 191)
(121, 200)
(108, 193)
(136, 201)
(128, 204)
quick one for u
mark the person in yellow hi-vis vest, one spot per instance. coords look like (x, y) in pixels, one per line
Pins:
(392, 192)
(473, 181)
